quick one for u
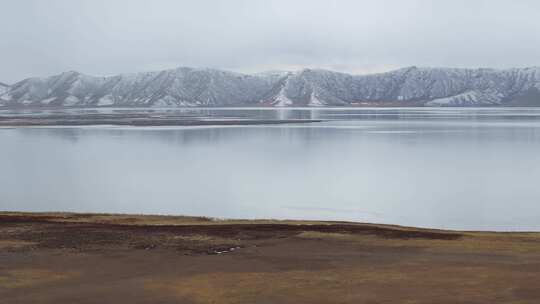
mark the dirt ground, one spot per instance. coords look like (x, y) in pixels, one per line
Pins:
(95, 258)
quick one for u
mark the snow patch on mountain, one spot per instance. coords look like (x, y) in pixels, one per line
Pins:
(314, 101)
(106, 100)
(472, 98)
(47, 101)
(281, 99)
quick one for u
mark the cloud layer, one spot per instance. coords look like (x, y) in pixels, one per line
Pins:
(39, 38)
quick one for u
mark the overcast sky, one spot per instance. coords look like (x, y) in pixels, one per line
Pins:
(104, 37)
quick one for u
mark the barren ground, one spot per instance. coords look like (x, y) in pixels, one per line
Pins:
(95, 258)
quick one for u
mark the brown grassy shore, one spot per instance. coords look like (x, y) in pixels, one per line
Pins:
(98, 258)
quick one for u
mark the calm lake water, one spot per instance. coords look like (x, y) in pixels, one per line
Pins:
(476, 169)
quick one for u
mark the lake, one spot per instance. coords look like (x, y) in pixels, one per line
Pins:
(453, 168)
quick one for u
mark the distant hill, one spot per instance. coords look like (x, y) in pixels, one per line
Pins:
(184, 86)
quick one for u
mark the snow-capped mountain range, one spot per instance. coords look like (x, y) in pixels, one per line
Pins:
(183, 86)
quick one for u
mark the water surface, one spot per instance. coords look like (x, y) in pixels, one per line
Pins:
(475, 169)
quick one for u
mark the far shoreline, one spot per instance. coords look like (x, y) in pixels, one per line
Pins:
(143, 122)
(180, 219)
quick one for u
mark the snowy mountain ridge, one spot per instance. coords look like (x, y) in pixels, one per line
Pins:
(184, 86)
(3, 88)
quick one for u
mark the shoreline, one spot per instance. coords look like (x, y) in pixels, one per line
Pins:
(159, 220)
(36, 122)
(179, 220)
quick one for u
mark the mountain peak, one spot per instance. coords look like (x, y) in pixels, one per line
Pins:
(71, 73)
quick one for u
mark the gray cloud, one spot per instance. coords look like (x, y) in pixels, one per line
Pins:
(100, 37)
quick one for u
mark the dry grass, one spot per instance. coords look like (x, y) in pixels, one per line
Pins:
(14, 244)
(500, 243)
(29, 277)
(211, 240)
(359, 285)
